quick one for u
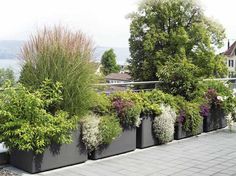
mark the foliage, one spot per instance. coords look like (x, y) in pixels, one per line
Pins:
(25, 122)
(163, 125)
(127, 111)
(168, 31)
(6, 74)
(217, 93)
(152, 100)
(108, 62)
(64, 56)
(190, 117)
(179, 78)
(98, 131)
(109, 128)
(90, 131)
(102, 104)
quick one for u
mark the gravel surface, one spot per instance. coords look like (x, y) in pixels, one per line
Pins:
(4, 172)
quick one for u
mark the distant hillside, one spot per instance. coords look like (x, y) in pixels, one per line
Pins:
(10, 49)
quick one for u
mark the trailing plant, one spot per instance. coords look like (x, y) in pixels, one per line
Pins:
(90, 131)
(98, 131)
(64, 56)
(109, 128)
(191, 118)
(127, 111)
(163, 125)
(26, 123)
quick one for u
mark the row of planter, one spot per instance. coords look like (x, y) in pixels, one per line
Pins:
(57, 156)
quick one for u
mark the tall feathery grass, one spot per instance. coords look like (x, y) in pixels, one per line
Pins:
(61, 55)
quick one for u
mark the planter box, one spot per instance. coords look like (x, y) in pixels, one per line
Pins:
(145, 136)
(180, 133)
(4, 158)
(124, 143)
(55, 156)
(215, 120)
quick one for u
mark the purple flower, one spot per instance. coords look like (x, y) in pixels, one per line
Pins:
(181, 117)
(204, 110)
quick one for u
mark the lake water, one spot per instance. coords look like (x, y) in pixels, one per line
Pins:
(14, 64)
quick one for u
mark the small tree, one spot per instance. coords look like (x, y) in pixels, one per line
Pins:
(108, 62)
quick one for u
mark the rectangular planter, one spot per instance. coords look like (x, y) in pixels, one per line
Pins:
(124, 143)
(55, 156)
(180, 133)
(215, 120)
(145, 136)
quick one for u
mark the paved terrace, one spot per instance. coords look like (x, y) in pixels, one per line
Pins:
(208, 154)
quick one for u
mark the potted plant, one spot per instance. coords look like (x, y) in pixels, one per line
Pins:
(189, 121)
(38, 135)
(151, 112)
(215, 119)
(116, 131)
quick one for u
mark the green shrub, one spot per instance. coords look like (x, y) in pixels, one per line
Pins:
(151, 101)
(179, 78)
(27, 125)
(109, 128)
(6, 74)
(102, 104)
(61, 55)
(163, 125)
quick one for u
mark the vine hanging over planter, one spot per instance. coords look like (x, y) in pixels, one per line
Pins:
(163, 125)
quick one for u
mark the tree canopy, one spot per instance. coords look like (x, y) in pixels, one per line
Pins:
(108, 62)
(170, 31)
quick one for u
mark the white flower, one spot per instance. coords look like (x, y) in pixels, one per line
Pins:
(220, 98)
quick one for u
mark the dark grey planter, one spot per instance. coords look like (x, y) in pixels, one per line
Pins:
(145, 136)
(180, 133)
(55, 156)
(4, 158)
(124, 143)
(215, 120)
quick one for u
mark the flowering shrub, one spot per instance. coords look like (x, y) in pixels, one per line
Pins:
(99, 130)
(90, 132)
(163, 125)
(127, 112)
(213, 98)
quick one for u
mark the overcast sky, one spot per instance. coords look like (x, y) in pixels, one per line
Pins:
(103, 20)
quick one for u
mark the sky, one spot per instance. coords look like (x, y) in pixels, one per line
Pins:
(103, 20)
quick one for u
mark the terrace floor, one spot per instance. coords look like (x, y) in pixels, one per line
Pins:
(208, 154)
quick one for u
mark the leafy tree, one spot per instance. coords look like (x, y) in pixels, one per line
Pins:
(173, 30)
(109, 62)
(179, 78)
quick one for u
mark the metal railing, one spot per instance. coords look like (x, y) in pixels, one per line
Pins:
(132, 84)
